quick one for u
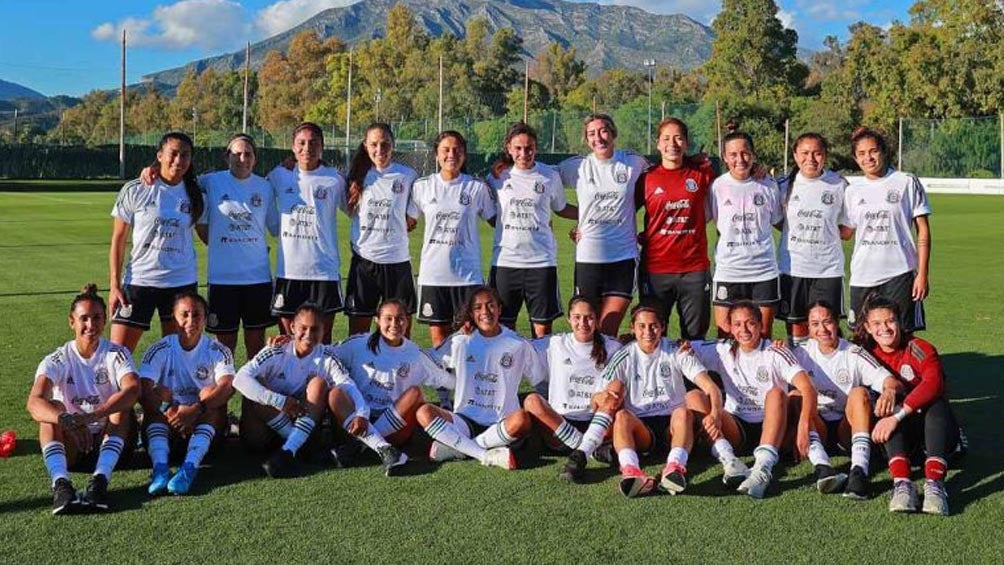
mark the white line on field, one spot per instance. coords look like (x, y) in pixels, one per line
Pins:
(53, 198)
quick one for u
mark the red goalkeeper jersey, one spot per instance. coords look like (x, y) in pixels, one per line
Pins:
(918, 366)
(676, 215)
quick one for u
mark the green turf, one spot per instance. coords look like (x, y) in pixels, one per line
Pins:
(52, 243)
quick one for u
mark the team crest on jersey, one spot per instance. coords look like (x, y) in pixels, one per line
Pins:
(795, 198)
(665, 370)
(892, 197)
(427, 309)
(397, 187)
(759, 200)
(186, 207)
(279, 301)
(201, 373)
(320, 193)
(843, 377)
(465, 199)
(100, 376)
(506, 360)
(403, 371)
(762, 375)
(691, 185)
(828, 198)
(256, 200)
(722, 293)
(539, 187)
(621, 177)
(907, 373)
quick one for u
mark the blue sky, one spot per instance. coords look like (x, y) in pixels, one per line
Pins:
(71, 47)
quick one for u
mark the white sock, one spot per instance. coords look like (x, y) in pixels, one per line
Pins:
(765, 456)
(817, 453)
(108, 457)
(628, 456)
(156, 443)
(595, 433)
(389, 422)
(54, 455)
(281, 425)
(301, 433)
(494, 436)
(678, 455)
(446, 433)
(198, 444)
(722, 450)
(568, 435)
(861, 450)
(370, 438)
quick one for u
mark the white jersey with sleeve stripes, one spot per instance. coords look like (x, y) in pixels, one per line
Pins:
(882, 212)
(83, 384)
(238, 212)
(572, 375)
(163, 251)
(382, 377)
(837, 373)
(488, 371)
(379, 228)
(186, 372)
(653, 381)
(308, 203)
(810, 244)
(605, 190)
(748, 377)
(451, 244)
(277, 372)
(526, 198)
(745, 213)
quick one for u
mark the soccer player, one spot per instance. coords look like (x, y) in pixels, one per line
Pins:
(810, 254)
(577, 412)
(187, 379)
(82, 397)
(160, 217)
(308, 265)
(883, 207)
(674, 252)
(451, 201)
(924, 417)
(842, 373)
(488, 363)
(606, 248)
(745, 209)
(525, 256)
(382, 213)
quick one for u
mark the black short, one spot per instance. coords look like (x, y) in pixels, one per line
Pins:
(798, 293)
(230, 304)
(751, 432)
(538, 287)
(599, 280)
(441, 304)
(898, 289)
(290, 294)
(371, 283)
(762, 293)
(143, 300)
(658, 426)
(690, 292)
(833, 444)
(475, 428)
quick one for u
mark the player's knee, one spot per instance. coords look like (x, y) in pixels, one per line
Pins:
(410, 397)
(425, 414)
(778, 397)
(519, 423)
(698, 401)
(534, 403)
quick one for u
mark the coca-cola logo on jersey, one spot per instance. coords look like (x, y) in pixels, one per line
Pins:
(522, 202)
(677, 205)
(448, 215)
(744, 217)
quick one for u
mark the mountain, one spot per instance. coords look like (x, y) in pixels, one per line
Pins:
(604, 36)
(12, 90)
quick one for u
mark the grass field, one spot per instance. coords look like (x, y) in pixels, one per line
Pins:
(52, 243)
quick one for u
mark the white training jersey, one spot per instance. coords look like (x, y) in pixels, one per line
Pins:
(451, 244)
(83, 384)
(653, 382)
(526, 198)
(186, 372)
(488, 371)
(837, 373)
(745, 213)
(163, 252)
(238, 212)
(379, 228)
(748, 377)
(810, 245)
(882, 213)
(308, 203)
(382, 377)
(571, 374)
(605, 191)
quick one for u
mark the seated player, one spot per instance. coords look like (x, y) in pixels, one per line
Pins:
(82, 397)
(187, 379)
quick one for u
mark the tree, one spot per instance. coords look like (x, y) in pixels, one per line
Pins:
(560, 70)
(290, 84)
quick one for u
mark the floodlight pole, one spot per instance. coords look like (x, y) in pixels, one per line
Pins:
(650, 66)
(247, 75)
(122, 98)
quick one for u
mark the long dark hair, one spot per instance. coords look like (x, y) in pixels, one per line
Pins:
(599, 351)
(809, 135)
(505, 160)
(373, 342)
(89, 293)
(874, 302)
(465, 319)
(196, 202)
(361, 163)
(460, 141)
(831, 310)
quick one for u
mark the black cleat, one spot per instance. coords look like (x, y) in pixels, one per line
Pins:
(344, 454)
(605, 454)
(828, 480)
(96, 495)
(857, 484)
(282, 465)
(393, 460)
(575, 467)
(64, 497)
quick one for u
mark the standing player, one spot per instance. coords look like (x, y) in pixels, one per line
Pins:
(82, 391)
(525, 256)
(811, 255)
(160, 217)
(745, 210)
(882, 208)
(606, 250)
(451, 201)
(187, 380)
(674, 252)
(382, 213)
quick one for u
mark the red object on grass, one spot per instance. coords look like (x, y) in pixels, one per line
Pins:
(7, 443)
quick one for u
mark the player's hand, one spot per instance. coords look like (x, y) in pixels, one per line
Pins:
(289, 163)
(885, 404)
(412, 223)
(574, 234)
(780, 343)
(279, 340)
(712, 424)
(684, 345)
(884, 429)
(921, 289)
(292, 408)
(149, 175)
(358, 426)
(74, 427)
(802, 440)
(116, 300)
(185, 416)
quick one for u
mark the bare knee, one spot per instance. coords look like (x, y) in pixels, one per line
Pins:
(518, 423)
(779, 398)
(534, 403)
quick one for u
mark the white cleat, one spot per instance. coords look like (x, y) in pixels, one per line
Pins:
(500, 457)
(440, 452)
(735, 472)
(756, 484)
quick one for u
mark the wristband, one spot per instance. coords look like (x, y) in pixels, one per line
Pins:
(900, 414)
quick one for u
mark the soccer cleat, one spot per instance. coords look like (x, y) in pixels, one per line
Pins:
(674, 478)
(344, 454)
(605, 454)
(500, 457)
(282, 465)
(829, 481)
(756, 484)
(857, 484)
(96, 494)
(159, 478)
(393, 460)
(735, 472)
(634, 482)
(935, 498)
(182, 481)
(64, 497)
(575, 467)
(440, 452)
(904, 497)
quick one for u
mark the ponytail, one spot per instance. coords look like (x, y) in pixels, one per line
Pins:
(89, 293)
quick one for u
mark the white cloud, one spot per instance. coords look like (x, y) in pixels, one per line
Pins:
(700, 10)
(787, 18)
(285, 14)
(206, 24)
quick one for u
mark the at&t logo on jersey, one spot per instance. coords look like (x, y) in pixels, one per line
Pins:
(506, 360)
(691, 185)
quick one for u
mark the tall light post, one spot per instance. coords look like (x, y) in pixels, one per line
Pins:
(376, 98)
(650, 66)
